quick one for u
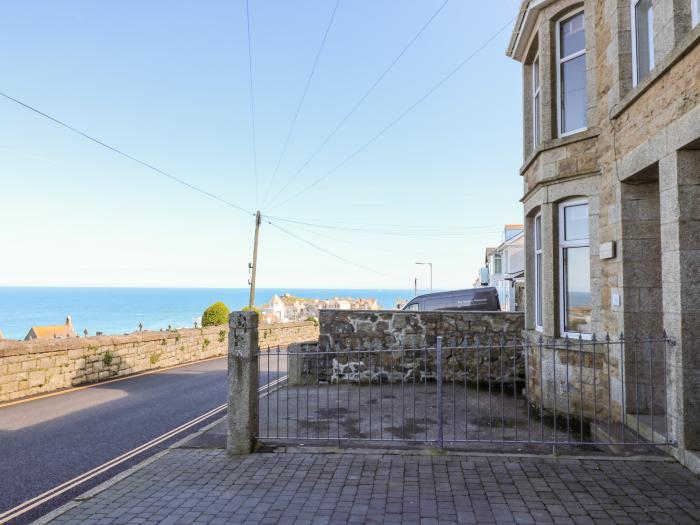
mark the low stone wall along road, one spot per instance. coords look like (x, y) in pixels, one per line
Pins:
(48, 441)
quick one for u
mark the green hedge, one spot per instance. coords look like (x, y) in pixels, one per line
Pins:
(216, 314)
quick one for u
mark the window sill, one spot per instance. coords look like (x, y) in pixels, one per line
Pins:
(533, 336)
(574, 336)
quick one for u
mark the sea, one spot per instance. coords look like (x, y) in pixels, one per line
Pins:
(120, 310)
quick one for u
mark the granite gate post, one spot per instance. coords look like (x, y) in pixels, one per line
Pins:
(242, 382)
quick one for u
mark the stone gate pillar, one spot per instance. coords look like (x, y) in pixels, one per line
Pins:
(242, 382)
(679, 184)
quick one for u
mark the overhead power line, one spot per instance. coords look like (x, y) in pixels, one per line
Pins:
(400, 117)
(370, 247)
(252, 101)
(404, 231)
(366, 94)
(327, 252)
(302, 99)
(126, 155)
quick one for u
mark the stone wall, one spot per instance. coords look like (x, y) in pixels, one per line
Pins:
(35, 367)
(582, 381)
(494, 352)
(283, 334)
(392, 329)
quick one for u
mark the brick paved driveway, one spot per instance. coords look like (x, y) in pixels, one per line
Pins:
(206, 486)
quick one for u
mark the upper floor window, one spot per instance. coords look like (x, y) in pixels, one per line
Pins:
(538, 272)
(642, 39)
(536, 126)
(497, 265)
(575, 268)
(695, 7)
(571, 74)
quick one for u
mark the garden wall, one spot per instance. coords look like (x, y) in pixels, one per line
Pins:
(35, 367)
(490, 348)
(283, 334)
(392, 329)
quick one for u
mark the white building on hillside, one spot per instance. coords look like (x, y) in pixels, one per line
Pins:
(287, 308)
(505, 268)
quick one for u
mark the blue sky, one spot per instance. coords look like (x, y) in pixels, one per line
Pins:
(167, 82)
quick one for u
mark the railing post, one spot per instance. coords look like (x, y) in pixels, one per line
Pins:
(242, 382)
(438, 348)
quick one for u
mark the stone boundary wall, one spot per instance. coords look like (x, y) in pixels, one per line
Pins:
(392, 328)
(35, 367)
(413, 333)
(284, 334)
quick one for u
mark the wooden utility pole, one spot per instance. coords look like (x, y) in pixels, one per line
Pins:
(254, 266)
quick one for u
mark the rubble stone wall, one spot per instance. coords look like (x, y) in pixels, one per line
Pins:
(393, 347)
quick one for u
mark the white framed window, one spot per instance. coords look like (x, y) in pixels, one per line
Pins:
(695, 9)
(572, 98)
(642, 39)
(536, 124)
(538, 273)
(574, 269)
(497, 263)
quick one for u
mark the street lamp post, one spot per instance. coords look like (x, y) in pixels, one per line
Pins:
(431, 272)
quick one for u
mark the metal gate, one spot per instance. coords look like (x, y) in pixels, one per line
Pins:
(482, 391)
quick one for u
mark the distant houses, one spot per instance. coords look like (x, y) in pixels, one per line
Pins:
(288, 308)
(60, 331)
(505, 269)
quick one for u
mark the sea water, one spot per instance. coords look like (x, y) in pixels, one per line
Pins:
(120, 310)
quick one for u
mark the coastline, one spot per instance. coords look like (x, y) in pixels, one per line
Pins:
(119, 310)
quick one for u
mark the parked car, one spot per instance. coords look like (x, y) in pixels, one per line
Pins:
(473, 299)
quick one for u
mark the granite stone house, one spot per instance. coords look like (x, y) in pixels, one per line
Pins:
(611, 180)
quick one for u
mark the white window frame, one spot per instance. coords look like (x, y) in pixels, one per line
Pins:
(650, 43)
(560, 61)
(536, 103)
(539, 291)
(563, 244)
(695, 10)
(497, 257)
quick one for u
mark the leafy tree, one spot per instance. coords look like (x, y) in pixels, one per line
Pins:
(216, 314)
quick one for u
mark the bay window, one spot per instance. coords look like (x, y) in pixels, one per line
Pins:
(538, 273)
(642, 39)
(575, 268)
(571, 75)
(536, 132)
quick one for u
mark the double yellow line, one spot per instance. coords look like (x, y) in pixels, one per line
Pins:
(50, 494)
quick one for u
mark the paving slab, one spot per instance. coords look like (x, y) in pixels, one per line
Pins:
(488, 420)
(206, 485)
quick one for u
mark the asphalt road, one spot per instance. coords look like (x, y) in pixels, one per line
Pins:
(48, 441)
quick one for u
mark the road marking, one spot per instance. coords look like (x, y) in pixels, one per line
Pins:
(50, 494)
(100, 383)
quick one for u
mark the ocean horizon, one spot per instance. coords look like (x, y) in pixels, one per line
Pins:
(119, 310)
